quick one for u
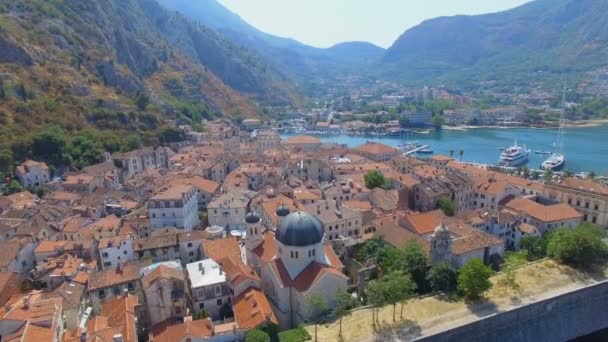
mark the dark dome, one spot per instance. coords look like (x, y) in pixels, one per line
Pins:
(282, 210)
(299, 229)
(252, 218)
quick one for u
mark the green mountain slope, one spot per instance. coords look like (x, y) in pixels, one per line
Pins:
(538, 40)
(121, 64)
(309, 66)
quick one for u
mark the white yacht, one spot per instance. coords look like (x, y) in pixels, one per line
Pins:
(514, 156)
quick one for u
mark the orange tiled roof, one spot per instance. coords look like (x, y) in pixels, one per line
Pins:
(161, 272)
(114, 276)
(303, 139)
(544, 213)
(375, 148)
(424, 223)
(267, 250)
(252, 309)
(222, 248)
(199, 329)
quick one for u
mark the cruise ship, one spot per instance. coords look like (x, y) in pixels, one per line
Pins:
(514, 156)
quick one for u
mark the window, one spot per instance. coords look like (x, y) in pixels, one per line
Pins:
(131, 286)
(105, 254)
(218, 289)
(313, 252)
(102, 293)
(587, 205)
(116, 290)
(595, 207)
(191, 254)
(201, 306)
(292, 254)
(189, 244)
(594, 219)
(124, 252)
(107, 263)
(219, 301)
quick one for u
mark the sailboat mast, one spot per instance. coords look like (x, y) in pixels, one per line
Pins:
(560, 138)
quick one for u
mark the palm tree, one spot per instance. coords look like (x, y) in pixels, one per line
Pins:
(452, 153)
(591, 175)
(461, 153)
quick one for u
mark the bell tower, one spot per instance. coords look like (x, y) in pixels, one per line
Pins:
(441, 245)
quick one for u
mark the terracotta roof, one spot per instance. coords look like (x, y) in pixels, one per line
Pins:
(307, 278)
(222, 248)
(46, 246)
(395, 235)
(160, 241)
(8, 252)
(303, 139)
(117, 317)
(71, 294)
(332, 258)
(302, 193)
(584, 185)
(238, 272)
(161, 272)
(199, 329)
(22, 200)
(424, 223)
(62, 196)
(198, 182)
(375, 148)
(467, 239)
(110, 222)
(441, 158)
(527, 228)
(252, 309)
(175, 192)
(543, 213)
(358, 205)
(267, 250)
(114, 276)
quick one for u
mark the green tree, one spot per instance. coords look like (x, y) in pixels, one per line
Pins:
(316, 306)
(447, 205)
(14, 187)
(257, 335)
(578, 247)
(6, 161)
(344, 303)
(2, 90)
(443, 278)
(474, 279)
(200, 315)
(413, 260)
(171, 134)
(568, 174)
(376, 296)
(533, 246)
(513, 260)
(452, 153)
(50, 144)
(142, 100)
(399, 288)
(437, 121)
(591, 175)
(548, 176)
(375, 179)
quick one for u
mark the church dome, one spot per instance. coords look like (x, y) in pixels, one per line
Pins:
(299, 229)
(252, 218)
(282, 210)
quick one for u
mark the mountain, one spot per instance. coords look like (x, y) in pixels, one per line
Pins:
(122, 65)
(539, 40)
(310, 67)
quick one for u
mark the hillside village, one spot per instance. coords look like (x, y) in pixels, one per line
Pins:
(233, 230)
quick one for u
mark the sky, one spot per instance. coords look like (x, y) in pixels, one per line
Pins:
(323, 23)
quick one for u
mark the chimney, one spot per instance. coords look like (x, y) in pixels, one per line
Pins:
(26, 302)
(117, 338)
(221, 271)
(201, 268)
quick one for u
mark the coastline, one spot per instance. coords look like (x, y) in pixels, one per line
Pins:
(570, 124)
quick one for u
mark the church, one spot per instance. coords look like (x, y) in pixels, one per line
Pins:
(294, 263)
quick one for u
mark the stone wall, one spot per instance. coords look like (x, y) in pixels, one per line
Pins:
(559, 318)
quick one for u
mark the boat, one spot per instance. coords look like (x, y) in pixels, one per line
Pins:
(425, 151)
(557, 159)
(514, 156)
(501, 148)
(542, 152)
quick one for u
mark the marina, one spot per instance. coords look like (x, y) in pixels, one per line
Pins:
(586, 147)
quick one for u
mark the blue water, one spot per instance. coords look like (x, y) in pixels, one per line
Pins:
(586, 148)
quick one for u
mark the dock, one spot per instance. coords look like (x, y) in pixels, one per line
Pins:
(410, 152)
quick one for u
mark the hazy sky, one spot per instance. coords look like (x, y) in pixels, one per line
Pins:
(323, 23)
